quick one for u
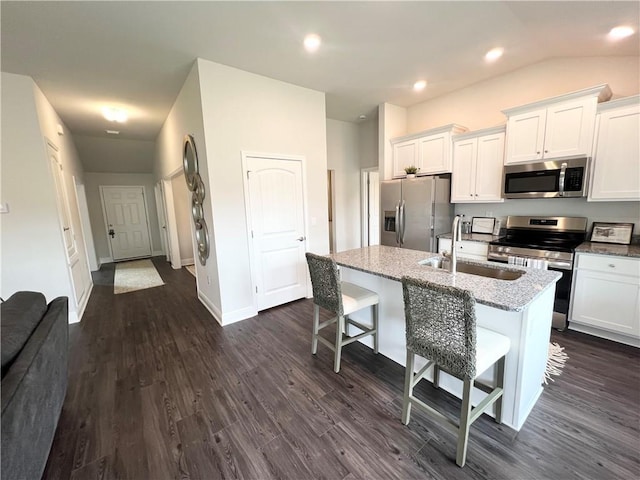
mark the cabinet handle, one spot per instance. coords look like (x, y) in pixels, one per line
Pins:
(537, 153)
(612, 265)
(476, 194)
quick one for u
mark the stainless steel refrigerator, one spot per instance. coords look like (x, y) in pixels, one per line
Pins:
(414, 211)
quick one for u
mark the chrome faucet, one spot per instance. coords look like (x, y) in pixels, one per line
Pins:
(456, 235)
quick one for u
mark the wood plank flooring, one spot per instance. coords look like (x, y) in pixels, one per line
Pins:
(157, 389)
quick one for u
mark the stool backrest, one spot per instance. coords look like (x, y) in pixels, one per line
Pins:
(441, 325)
(325, 280)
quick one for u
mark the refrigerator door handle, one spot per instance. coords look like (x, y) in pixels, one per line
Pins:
(397, 226)
(402, 223)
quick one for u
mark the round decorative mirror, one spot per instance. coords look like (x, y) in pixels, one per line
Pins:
(202, 240)
(190, 162)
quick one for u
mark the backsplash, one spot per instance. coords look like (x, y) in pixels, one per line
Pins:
(565, 207)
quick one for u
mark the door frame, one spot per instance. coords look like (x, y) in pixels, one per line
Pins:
(246, 155)
(364, 203)
(106, 222)
(170, 215)
(162, 218)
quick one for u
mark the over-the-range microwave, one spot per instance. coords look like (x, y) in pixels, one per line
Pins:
(562, 178)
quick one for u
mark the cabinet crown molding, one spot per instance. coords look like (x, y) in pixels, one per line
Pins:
(480, 133)
(601, 92)
(619, 102)
(452, 127)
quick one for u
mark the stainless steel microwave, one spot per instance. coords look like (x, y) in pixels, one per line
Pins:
(549, 179)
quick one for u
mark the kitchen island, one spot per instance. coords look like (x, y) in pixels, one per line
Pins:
(521, 309)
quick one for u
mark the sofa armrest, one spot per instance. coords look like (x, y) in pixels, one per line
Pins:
(33, 391)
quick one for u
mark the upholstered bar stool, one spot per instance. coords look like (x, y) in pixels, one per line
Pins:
(341, 298)
(441, 327)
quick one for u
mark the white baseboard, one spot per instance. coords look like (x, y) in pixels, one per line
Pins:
(187, 261)
(103, 260)
(227, 318)
(597, 332)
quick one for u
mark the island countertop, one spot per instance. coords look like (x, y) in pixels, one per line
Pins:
(393, 263)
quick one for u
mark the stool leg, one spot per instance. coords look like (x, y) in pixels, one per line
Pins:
(375, 325)
(314, 336)
(346, 325)
(338, 348)
(499, 384)
(436, 376)
(463, 430)
(408, 388)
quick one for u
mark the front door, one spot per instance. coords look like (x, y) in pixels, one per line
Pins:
(126, 218)
(276, 220)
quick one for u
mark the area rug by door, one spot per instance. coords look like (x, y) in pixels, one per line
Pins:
(135, 275)
(555, 362)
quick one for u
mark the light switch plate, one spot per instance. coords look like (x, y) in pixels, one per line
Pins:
(4, 208)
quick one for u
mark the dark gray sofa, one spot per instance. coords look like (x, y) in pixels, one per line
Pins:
(34, 354)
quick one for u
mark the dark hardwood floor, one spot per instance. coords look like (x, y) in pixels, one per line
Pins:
(157, 389)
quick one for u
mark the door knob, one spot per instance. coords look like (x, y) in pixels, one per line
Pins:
(300, 239)
(112, 233)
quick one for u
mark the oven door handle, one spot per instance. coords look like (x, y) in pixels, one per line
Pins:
(504, 258)
(563, 174)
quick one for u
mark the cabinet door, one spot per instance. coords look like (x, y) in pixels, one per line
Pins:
(606, 301)
(570, 128)
(405, 154)
(616, 171)
(489, 168)
(434, 154)
(525, 136)
(463, 178)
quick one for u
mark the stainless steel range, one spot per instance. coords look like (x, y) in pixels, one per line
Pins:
(548, 241)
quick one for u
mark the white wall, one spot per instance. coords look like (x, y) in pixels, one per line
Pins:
(186, 117)
(94, 202)
(368, 143)
(479, 105)
(392, 122)
(343, 158)
(113, 154)
(182, 207)
(32, 249)
(247, 112)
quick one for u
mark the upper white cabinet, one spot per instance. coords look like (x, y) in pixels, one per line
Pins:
(430, 151)
(562, 126)
(477, 166)
(616, 164)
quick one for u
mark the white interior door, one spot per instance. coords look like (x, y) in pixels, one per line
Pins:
(126, 218)
(162, 219)
(276, 219)
(62, 201)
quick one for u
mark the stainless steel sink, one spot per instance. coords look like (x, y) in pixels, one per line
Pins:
(481, 270)
(474, 269)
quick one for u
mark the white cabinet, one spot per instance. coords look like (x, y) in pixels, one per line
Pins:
(616, 159)
(557, 127)
(430, 151)
(465, 249)
(605, 298)
(478, 166)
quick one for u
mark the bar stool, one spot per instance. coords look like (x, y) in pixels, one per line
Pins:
(441, 327)
(341, 298)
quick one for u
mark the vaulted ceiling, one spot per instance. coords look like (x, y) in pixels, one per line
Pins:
(85, 55)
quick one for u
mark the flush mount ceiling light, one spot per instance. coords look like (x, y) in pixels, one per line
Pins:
(494, 54)
(419, 85)
(312, 42)
(113, 132)
(621, 32)
(114, 114)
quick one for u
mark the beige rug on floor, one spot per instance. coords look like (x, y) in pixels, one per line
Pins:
(135, 275)
(555, 362)
(191, 269)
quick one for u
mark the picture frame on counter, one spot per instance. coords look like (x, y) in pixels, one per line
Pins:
(619, 233)
(482, 224)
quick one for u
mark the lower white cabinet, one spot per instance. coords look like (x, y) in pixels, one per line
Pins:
(605, 298)
(465, 249)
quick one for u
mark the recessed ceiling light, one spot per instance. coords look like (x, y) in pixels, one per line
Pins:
(419, 85)
(312, 42)
(115, 114)
(113, 132)
(494, 54)
(621, 32)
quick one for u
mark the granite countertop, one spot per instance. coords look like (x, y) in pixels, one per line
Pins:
(632, 250)
(475, 237)
(393, 263)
